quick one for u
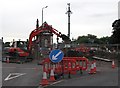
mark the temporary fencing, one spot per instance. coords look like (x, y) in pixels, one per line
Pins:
(68, 65)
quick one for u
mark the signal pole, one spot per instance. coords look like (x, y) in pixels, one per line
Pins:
(68, 12)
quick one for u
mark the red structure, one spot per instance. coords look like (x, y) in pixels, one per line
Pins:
(42, 37)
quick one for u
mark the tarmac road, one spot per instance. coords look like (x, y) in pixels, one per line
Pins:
(32, 75)
(27, 74)
(105, 76)
(100, 79)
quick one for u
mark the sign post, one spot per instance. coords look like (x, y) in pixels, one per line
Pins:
(57, 56)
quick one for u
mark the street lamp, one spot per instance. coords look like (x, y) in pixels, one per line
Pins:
(42, 12)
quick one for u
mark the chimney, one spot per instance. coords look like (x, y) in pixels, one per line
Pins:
(37, 24)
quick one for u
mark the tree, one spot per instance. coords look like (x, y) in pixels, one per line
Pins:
(104, 40)
(87, 39)
(82, 39)
(7, 44)
(115, 37)
(92, 39)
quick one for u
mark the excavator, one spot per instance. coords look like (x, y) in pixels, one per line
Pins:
(43, 28)
(21, 51)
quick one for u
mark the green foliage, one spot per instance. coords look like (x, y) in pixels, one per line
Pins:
(7, 44)
(104, 40)
(115, 37)
(92, 39)
(82, 39)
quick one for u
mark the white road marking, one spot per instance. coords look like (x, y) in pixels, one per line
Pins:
(51, 84)
(101, 58)
(7, 67)
(16, 75)
(55, 57)
(56, 82)
(16, 68)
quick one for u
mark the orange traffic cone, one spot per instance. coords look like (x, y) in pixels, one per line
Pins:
(113, 64)
(92, 68)
(7, 60)
(52, 78)
(44, 80)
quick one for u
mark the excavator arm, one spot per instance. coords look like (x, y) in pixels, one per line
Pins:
(42, 28)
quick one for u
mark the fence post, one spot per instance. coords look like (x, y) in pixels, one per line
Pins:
(81, 71)
(62, 70)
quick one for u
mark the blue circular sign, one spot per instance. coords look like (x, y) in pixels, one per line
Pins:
(56, 55)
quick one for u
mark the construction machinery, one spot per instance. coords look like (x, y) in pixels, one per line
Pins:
(17, 52)
(22, 51)
(45, 28)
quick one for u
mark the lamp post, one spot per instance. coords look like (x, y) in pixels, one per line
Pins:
(42, 12)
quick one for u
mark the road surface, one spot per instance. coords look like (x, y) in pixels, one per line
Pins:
(105, 76)
(27, 74)
(30, 74)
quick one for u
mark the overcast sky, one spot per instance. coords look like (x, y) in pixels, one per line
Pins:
(18, 17)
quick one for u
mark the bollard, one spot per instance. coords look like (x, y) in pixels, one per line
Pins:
(69, 75)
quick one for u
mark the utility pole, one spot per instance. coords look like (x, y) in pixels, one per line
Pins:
(68, 12)
(119, 10)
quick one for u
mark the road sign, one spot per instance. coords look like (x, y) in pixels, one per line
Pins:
(56, 55)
